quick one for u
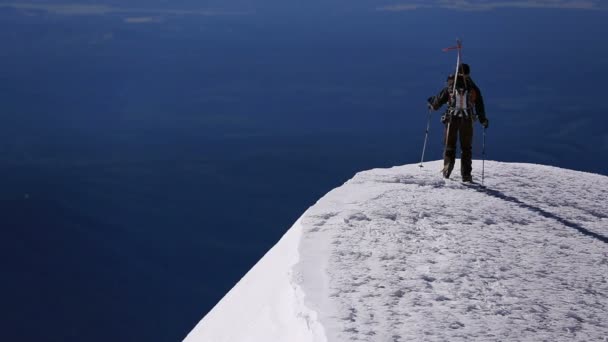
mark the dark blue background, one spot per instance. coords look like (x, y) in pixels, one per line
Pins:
(146, 167)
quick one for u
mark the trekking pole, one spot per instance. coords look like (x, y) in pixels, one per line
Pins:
(426, 135)
(446, 137)
(483, 155)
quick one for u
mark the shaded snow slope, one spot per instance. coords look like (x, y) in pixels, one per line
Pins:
(266, 305)
(400, 254)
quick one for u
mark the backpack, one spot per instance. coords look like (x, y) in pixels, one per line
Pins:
(462, 98)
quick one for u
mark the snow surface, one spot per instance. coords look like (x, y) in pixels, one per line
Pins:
(400, 254)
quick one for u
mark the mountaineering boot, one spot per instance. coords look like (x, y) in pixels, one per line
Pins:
(446, 172)
(449, 157)
(467, 179)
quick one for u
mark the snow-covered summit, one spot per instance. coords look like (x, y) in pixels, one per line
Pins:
(400, 254)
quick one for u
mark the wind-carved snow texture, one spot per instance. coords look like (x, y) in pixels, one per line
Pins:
(405, 256)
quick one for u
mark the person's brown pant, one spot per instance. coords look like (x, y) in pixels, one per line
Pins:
(455, 128)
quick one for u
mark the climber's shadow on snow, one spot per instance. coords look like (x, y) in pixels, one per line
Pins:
(581, 229)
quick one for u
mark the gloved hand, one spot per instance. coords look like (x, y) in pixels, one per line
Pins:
(484, 122)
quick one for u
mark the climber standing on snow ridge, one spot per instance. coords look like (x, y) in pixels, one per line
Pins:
(464, 105)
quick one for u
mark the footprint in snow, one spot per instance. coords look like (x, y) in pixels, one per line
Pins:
(428, 278)
(442, 299)
(399, 294)
(457, 325)
(356, 217)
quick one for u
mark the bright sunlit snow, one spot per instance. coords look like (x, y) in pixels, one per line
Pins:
(402, 255)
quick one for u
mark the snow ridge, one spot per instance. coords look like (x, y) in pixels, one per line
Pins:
(407, 256)
(400, 254)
